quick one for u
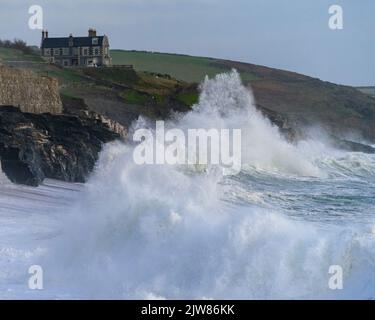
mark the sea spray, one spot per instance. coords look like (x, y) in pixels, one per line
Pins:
(157, 232)
(199, 147)
(225, 104)
(166, 231)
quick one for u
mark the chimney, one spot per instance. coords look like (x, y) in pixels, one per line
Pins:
(71, 40)
(92, 32)
(44, 36)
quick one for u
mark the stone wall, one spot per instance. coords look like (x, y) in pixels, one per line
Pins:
(32, 93)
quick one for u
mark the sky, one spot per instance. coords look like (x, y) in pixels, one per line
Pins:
(286, 34)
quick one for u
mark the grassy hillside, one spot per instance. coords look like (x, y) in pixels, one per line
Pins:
(34, 62)
(162, 83)
(119, 93)
(182, 67)
(301, 99)
(7, 54)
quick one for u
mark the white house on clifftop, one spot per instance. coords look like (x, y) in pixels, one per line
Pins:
(87, 51)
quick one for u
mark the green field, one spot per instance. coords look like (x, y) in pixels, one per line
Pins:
(182, 67)
(34, 62)
(7, 54)
(140, 87)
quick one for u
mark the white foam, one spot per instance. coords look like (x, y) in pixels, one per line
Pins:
(163, 232)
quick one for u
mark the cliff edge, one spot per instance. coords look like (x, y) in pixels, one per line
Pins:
(31, 92)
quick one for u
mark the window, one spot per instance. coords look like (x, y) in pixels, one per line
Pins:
(95, 41)
(96, 51)
(85, 52)
(47, 52)
(65, 51)
(56, 52)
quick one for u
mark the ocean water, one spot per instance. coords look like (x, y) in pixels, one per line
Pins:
(167, 232)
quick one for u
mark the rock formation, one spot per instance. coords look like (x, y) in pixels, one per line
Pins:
(31, 92)
(38, 146)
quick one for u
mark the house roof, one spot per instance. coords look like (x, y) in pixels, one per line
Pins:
(77, 42)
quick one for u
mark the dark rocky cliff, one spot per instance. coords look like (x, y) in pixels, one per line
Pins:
(38, 146)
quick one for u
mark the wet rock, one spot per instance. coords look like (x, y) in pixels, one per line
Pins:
(38, 146)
